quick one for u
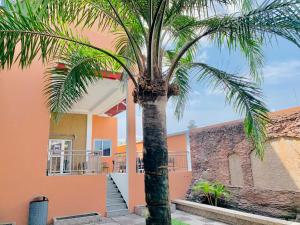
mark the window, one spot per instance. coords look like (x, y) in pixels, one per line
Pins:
(103, 146)
(59, 156)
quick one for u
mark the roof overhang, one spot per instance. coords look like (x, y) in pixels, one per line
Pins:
(105, 97)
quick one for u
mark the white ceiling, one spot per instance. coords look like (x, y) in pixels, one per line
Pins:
(101, 97)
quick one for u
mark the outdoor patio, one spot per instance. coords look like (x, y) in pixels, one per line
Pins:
(133, 219)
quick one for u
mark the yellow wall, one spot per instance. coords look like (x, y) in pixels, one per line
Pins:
(280, 168)
(70, 126)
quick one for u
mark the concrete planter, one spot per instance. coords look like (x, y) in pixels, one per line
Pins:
(227, 215)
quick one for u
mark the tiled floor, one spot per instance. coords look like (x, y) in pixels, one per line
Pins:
(133, 219)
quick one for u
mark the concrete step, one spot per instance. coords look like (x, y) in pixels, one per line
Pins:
(114, 201)
(113, 191)
(111, 185)
(110, 182)
(118, 206)
(115, 213)
(113, 195)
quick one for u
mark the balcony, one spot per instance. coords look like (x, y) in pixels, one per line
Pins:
(177, 161)
(73, 162)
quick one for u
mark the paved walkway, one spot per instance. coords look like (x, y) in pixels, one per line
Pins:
(133, 219)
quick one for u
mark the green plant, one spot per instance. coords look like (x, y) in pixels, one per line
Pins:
(156, 49)
(178, 222)
(219, 191)
(213, 191)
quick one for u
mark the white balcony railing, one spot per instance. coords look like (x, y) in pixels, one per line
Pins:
(177, 161)
(73, 162)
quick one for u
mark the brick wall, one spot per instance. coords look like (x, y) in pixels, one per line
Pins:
(211, 147)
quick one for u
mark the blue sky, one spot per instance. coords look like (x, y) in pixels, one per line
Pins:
(281, 87)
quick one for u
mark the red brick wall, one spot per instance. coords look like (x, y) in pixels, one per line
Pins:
(210, 148)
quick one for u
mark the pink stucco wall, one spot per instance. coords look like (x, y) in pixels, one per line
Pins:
(24, 130)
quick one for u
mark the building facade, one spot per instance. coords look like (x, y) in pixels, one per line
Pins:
(68, 161)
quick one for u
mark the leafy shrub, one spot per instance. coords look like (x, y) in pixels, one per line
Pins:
(213, 191)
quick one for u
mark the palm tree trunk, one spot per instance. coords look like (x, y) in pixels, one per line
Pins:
(156, 162)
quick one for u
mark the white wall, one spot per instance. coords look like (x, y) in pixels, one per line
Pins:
(121, 180)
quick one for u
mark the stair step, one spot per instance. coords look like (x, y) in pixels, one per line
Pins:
(118, 206)
(110, 182)
(112, 191)
(113, 195)
(114, 213)
(114, 201)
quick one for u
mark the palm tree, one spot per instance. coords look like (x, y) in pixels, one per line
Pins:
(156, 44)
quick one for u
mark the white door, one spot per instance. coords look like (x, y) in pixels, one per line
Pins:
(60, 156)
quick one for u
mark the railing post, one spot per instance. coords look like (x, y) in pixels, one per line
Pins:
(50, 162)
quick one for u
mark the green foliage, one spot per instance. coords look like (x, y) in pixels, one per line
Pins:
(213, 191)
(178, 222)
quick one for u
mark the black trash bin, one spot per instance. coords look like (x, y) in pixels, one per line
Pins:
(38, 211)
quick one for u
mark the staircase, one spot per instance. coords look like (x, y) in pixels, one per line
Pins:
(115, 204)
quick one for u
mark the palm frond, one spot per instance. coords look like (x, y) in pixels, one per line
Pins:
(83, 13)
(182, 80)
(245, 96)
(68, 78)
(201, 8)
(20, 26)
(248, 30)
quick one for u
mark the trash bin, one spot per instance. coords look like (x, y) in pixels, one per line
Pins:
(38, 211)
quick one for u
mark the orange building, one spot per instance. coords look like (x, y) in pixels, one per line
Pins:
(68, 161)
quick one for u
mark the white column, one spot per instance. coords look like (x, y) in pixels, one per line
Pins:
(188, 150)
(89, 127)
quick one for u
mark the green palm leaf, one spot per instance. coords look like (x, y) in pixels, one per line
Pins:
(67, 80)
(245, 96)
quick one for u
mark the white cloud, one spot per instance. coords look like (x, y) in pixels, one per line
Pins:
(276, 72)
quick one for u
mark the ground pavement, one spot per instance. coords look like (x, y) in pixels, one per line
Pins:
(133, 219)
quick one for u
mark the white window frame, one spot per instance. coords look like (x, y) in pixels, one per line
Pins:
(61, 154)
(102, 140)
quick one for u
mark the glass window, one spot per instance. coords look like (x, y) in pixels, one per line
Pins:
(103, 146)
(106, 148)
(98, 145)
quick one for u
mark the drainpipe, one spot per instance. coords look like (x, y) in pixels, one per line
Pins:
(188, 150)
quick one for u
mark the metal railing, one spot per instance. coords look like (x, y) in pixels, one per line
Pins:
(177, 161)
(73, 162)
(119, 163)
